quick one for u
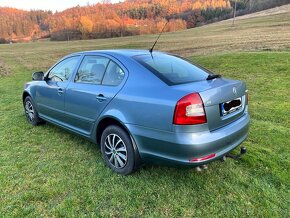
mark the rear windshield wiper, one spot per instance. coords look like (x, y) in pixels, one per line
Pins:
(213, 76)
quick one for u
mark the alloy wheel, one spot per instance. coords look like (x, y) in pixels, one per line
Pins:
(29, 110)
(116, 151)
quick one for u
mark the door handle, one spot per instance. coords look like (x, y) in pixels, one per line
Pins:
(60, 91)
(101, 97)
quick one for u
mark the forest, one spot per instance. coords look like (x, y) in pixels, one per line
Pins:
(131, 17)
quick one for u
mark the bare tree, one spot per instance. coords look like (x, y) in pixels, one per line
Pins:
(235, 11)
(251, 5)
(106, 1)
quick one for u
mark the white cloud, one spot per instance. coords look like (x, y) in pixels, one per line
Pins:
(53, 5)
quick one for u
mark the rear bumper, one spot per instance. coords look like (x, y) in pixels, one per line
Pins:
(181, 147)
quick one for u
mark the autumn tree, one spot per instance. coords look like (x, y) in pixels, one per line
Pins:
(129, 17)
(85, 26)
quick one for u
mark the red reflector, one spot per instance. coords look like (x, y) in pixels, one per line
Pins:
(198, 159)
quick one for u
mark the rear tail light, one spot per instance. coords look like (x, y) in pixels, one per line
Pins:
(189, 110)
(247, 97)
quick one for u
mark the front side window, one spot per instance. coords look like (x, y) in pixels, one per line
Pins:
(62, 71)
(92, 70)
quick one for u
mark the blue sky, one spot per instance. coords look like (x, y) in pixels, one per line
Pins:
(53, 5)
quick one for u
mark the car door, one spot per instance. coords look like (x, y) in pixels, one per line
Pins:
(50, 96)
(97, 81)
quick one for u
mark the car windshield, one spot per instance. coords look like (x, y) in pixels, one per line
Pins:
(171, 69)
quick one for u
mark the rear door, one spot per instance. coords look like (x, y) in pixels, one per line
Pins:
(51, 94)
(97, 81)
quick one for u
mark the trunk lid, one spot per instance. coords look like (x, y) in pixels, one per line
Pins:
(214, 93)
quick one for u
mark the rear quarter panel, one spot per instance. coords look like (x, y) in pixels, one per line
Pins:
(144, 100)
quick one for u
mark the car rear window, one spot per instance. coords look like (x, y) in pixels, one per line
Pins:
(171, 69)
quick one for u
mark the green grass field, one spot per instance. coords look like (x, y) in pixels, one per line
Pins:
(46, 171)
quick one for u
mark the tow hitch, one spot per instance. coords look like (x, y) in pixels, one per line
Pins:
(235, 157)
(229, 155)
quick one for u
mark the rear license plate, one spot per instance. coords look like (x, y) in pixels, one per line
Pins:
(231, 106)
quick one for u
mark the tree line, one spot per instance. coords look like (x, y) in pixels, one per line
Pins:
(131, 17)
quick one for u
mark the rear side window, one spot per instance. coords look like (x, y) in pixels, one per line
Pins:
(171, 69)
(92, 70)
(114, 75)
(99, 70)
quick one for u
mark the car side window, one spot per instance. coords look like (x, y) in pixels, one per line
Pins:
(114, 75)
(62, 71)
(92, 70)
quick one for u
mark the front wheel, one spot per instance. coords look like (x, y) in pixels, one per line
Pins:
(117, 150)
(31, 112)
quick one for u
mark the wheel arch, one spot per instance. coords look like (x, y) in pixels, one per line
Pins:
(104, 123)
(24, 95)
(110, 120)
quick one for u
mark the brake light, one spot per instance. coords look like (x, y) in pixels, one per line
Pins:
(189, 110)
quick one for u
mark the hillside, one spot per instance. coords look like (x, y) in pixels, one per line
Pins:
(108, 20)
(272, 11)
(267, 33)
(126, 18)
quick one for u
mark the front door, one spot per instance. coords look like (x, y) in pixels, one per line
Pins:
(51, 95)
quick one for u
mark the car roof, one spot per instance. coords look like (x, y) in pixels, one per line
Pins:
(118, 52)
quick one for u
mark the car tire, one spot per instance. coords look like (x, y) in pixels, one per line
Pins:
(31, 112)
(118, 151)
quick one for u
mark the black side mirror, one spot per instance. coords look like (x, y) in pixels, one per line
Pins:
(38, 76)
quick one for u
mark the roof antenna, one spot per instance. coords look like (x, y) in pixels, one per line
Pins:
(151, 49)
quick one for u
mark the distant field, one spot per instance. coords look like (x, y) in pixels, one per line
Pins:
(272, 11)
(46, 171)
(267, 33)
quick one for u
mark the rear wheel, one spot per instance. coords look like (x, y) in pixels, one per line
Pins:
(31, 112)
(117, 150)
